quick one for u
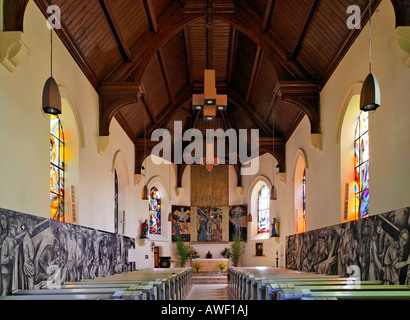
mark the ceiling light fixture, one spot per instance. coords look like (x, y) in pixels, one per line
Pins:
(51, 95)
(210, 102)
(370, 95)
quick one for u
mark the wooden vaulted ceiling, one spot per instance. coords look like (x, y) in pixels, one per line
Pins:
(147, 57)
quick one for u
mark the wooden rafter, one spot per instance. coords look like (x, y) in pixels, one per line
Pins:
(150, 14)
(308, 17)
(254, 76)
(121, 43)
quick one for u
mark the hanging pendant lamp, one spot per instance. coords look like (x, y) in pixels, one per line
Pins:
(370, 95)
(51, 94)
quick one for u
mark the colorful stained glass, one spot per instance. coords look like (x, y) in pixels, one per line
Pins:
(57, 146)
(154, 211)
(263, 210)
(361, 157)
(304, 200)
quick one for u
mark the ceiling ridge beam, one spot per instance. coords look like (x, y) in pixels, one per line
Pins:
(115, 30)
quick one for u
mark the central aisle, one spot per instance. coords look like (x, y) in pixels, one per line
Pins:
(209, 292)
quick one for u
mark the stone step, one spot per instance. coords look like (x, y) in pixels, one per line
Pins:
(209, 278)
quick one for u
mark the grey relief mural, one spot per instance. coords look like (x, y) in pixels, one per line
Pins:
(36, 251)
(373, 248)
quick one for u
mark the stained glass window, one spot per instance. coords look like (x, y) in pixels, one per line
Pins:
(154, 211)
(263, 210)
(361, 158)
(116, 202)
(57, 167)
(304, 200)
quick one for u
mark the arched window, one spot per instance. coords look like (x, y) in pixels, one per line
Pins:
(299, 176)
(115, 202)
(57, 167)
(263, 210)
(154, 211)
(361, 151)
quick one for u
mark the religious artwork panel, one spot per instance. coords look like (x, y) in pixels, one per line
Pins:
(377, 247)
(238, 222)
(209, 224)
(154, 211)
(37, 251)
(181, 223)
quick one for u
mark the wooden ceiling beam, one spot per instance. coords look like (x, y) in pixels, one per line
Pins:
(115, 30)
(347, 43)
(235, 98)
(272, 103)
(308, 17)
(71, 46)
(232, 53)
(165, 75)
(188, 55)
(267, 19)
(210, 40)
(254, 76)
(150, 15)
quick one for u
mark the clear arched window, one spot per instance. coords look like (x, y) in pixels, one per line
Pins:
(263, 210)
(57, 167)
(361, 158)
(154, 211)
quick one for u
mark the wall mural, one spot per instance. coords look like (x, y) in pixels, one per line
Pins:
(37, 251)
(373, 248)
(181, 223)
(238, 222)
(209, 225)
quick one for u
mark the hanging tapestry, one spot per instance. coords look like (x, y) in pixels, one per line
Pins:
(181, 223)
(238, 222)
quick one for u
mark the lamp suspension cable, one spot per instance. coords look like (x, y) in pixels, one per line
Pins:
(370, 36)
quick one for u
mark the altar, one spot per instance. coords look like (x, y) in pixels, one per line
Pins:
(210, 265)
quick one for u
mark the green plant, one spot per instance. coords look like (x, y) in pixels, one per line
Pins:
(222, 266)
(182, 251)
(197, 266)
(238, 249)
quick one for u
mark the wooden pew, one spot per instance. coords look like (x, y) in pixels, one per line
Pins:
(171, 284)
(147, 284)
(382, 294)
(249, 283)
(93, 293)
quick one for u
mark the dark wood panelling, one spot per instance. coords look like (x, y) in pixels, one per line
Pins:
(164, 46)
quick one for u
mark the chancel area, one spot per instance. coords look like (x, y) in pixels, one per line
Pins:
(204, 150)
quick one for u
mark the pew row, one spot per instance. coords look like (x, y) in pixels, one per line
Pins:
(146, 284)
(281, 284)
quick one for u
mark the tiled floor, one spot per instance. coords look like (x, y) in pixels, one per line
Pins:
(209, 292)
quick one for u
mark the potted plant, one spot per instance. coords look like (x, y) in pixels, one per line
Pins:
(238, 249)
(222, 266)
(182, 251)
(197, 266)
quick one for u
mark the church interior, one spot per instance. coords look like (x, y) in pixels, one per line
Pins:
(204, 150)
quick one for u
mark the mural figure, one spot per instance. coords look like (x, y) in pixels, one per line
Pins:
(378, 246)
(238, 222)
(209, 226)
(35, 251)
(181, 223)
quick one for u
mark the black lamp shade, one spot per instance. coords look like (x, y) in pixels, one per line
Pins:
(370, 95)
(51, 97)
